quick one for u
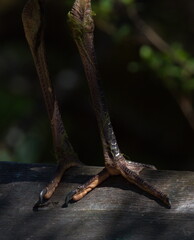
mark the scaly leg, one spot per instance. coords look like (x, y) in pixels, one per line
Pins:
(33, 22)
(82, 26)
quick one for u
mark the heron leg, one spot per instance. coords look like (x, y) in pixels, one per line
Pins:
(33, 22)
(82, 27)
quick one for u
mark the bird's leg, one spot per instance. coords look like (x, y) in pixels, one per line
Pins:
(33, 22)
(82, 26)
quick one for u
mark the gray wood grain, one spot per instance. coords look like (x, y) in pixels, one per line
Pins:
(116, 210)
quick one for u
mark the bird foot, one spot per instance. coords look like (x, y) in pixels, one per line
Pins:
(129, 170)
(50, 188)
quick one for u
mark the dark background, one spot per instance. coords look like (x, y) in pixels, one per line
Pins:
(148, 121)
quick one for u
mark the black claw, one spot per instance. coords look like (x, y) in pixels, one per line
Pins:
(42, 202)
(69, 198)
(168, 203)
(41, 196)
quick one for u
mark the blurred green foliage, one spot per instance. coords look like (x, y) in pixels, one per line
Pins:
(136, 76)
(175, 76)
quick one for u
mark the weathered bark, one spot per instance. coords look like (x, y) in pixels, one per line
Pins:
(114, 210)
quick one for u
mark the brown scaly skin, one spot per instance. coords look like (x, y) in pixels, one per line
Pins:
(81, 23)
(82, 26)
(33, 22)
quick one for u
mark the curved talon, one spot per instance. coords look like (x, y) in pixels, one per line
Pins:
(41, 196)
(168, 202)
(42, 202)
(69, 197)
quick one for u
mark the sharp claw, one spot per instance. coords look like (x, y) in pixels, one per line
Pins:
(168, 202)
(42, 202)
(69, 197)
(41, 196)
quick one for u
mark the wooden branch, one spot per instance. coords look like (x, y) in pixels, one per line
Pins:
(115, 210)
